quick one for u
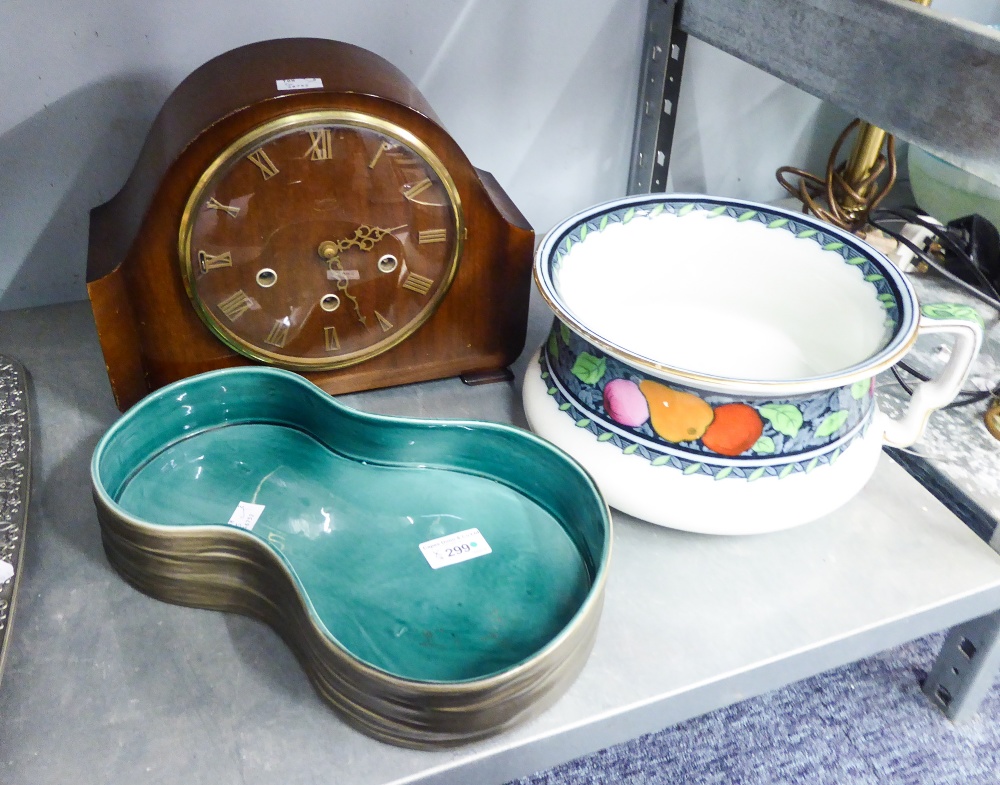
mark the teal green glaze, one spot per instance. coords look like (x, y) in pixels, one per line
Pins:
(350, 533)
(348, 498)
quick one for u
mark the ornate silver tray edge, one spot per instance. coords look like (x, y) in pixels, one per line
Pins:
(15, 471)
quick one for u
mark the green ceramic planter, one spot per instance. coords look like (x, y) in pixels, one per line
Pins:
(438, 580)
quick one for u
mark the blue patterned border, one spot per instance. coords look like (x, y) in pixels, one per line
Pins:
(797, 433)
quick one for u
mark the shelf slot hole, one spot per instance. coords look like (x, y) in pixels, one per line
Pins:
(968, 648)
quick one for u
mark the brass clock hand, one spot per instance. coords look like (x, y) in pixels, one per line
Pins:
(364, 237)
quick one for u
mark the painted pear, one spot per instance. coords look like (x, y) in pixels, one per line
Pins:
(676, 416)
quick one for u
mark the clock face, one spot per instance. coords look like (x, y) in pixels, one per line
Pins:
(320, 240)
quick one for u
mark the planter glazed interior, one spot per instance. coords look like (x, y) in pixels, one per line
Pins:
(351, 511)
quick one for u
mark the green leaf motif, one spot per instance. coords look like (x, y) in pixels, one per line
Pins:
(553, 346)
(583, 233)
(604, 224)
(661, 460)
(832, 423)
(545, 374)
(694, 467)
(757, 474)
(724, 473)
(856, 260)
(552, 391)
(833, 246)
(777, 223)
(630, 449)
(835, 456)
(582, 423)
(860, 388)
(589, 369)
(569, 243)
(874, 277)
(746, 216)
(887, 298)
(764, 446)
(685, 209)
(786, 471)
(965, 313)
(784, 418)
(606, 437)
(717, 211)
(563, 407)
(656, 210)
(564, 333)
(812, 465)
(629, 215)
(807, 233)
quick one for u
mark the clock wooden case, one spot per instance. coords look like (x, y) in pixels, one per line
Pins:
(297, 203)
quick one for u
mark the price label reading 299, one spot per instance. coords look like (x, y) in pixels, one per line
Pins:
(455, 548)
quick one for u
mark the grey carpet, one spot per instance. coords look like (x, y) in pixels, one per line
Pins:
(859, 724)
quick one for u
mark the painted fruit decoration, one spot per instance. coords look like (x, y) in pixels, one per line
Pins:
(675, 416)
(625, 403)
(728, 429)
(734, 430)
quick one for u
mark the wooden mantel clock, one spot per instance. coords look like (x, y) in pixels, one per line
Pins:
(297, 203)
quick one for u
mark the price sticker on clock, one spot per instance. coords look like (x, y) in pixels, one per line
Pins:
(312, 83)
(455, 548)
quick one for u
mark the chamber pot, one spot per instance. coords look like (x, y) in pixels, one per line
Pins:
(712, 361)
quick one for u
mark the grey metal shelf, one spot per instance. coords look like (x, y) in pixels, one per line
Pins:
(918, 74)
(104, 680)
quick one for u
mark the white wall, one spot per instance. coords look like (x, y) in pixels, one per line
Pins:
(539, 92)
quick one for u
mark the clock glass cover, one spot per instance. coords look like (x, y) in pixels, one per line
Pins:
(319, 240)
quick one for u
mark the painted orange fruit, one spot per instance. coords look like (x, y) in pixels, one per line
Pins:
(675, 416)
(735, 429)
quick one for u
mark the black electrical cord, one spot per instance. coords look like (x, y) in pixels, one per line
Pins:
(965, 397)
(991, 297)
(943, 234)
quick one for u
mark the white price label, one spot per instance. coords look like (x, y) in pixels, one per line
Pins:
(246, 514)
(343, 275)
(299, 84)
(6, 571)
(455, 548)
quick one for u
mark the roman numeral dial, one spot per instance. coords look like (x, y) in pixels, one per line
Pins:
(322, 240)
(263, 162)
(417, 283)
(235, 305)
(321, 144)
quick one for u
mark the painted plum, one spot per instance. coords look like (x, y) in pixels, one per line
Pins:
(625, 403)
